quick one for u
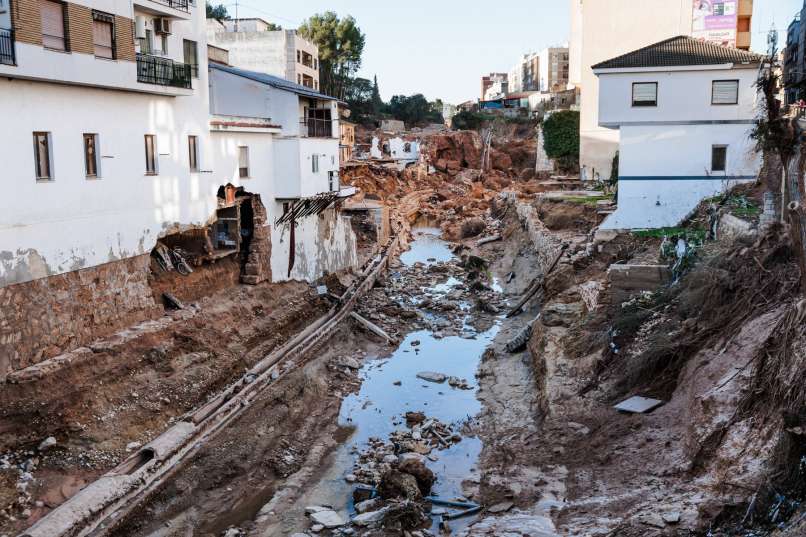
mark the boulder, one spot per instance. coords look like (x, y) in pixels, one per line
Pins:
(417, 468)
(329, 519)
(396, 484)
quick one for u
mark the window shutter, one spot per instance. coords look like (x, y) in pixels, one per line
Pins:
(102, 37)
(645, 93)
(52, 24)
(725, 92)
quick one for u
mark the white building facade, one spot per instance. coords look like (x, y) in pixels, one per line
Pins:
(684, 110)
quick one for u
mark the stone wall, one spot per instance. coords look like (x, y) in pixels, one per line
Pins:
(46, 317)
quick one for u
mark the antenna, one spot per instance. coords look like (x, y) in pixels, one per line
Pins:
(772, 41)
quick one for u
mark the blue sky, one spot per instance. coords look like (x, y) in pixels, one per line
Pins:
(442, 47)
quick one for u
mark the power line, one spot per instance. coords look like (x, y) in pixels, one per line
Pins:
(295, 23)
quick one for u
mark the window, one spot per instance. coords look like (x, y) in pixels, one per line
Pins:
(299, 57)
(42, 156)
(243, 162)
(333, 180)
(645, 94)
(725, 92)
(191, 57)
(299, 79)
(54, 34)
(315, 163)
(719, 158)
(151, 154)
(145, 43)
(103, 35)
(164, 44)
(193, 153)
(91, 162)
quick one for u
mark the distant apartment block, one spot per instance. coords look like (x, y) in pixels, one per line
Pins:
(794, 64)
(553, 69)
(525, 75)
(254, 45)
(499, 79)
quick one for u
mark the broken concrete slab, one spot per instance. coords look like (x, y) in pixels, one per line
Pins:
(369, 518)
(502, 507)
(638, 405)
(329, 519)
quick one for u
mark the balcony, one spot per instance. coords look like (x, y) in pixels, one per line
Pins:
(315, 128)
(7, 55)
(163, 72)
(181, 5)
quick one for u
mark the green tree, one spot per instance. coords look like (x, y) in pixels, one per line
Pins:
(414, 110)
(218, 12)
(561, 138)
(377, 103)
(341, 45)
(359, 98)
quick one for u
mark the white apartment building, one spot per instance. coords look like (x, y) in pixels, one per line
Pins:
(602, 29)
(254, 46)
(553, 69)
(281, 141)
(684, 110)
(525, 75)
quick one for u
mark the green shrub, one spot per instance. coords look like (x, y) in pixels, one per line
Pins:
(561, 138)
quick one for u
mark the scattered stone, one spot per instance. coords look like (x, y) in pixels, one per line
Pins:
(131, 446)
(367, 505)
(350, 478)
(329, 519)
(396, 484)
(397, 383)
(316, 528)
(413, 418)
(672, 517)
(350, 362)
(369, 518)
(47, 443)
(417, 468)
(311, 509)
(502, 507)
(431, 376)
(459, 383)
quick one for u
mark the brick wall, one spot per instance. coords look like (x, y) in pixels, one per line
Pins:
(27, 21)
(49, 316)
(79, 29)
(124, 38)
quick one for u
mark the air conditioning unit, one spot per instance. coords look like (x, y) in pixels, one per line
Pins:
(162, 25)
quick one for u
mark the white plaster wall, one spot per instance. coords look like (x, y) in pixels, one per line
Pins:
(397, 146)
(314, 183)
(264, 52)
(683, 154)
(72, 222)
(324, 243)
(611, 28)
(232, 95)
(224, 147)
(682, 96)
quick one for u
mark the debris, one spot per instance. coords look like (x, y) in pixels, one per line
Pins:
(131, 446)
(488, 240)
(367, 505)
(638, 405)
(413, 418)
(375, 329)
(370, 517)
(172, 302)
(396, 484)
(561, 314)
(417, 468)
(459, 383)
(537, 284)
(502, 507)
(47, 443)
(518, 343)
(432, 376)
(672, 517)
(329, 519)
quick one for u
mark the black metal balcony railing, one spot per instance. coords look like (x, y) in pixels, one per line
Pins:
(7, 47)
(316, 128)
(163, 71)
(181, 5)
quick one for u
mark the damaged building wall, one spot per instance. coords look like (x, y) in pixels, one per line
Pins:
(43, 318)
(323, 244)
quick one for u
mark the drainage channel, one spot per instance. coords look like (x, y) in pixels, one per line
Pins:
(390, 387)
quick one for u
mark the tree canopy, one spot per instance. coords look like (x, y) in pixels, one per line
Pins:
(218, 12)
(415, 109)
(341, 44)
(561, 138)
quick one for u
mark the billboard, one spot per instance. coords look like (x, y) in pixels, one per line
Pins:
(715, 21)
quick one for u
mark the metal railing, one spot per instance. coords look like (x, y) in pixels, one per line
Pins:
(7, 55)
(316, 128)
(163, 72)
(181, 5)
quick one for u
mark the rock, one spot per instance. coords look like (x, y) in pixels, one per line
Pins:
(424, 476)
(432, 376)
(367, 505)
(413, 418)
(390, 459)
(412, 456)
(502, 507)
(350, 478)
(311, 509)
(300, 535)
(672, 517)
(459, 383)
(472, 228)
(47, 443)
(316, 528)
(328, 519)
(369, 518)
(350, 362)
(396, 484)
(131, 446)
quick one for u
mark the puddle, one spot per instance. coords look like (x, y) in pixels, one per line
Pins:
(378, 408)
(426, 248)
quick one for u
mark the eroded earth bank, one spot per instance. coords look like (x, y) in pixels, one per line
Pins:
(479, 397)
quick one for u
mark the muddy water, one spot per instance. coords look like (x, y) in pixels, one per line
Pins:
(378, 408)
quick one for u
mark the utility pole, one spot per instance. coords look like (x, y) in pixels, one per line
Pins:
(236, 15)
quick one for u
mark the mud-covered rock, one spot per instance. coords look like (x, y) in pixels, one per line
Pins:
(417, 468)
(559, 314)
(396, 484)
